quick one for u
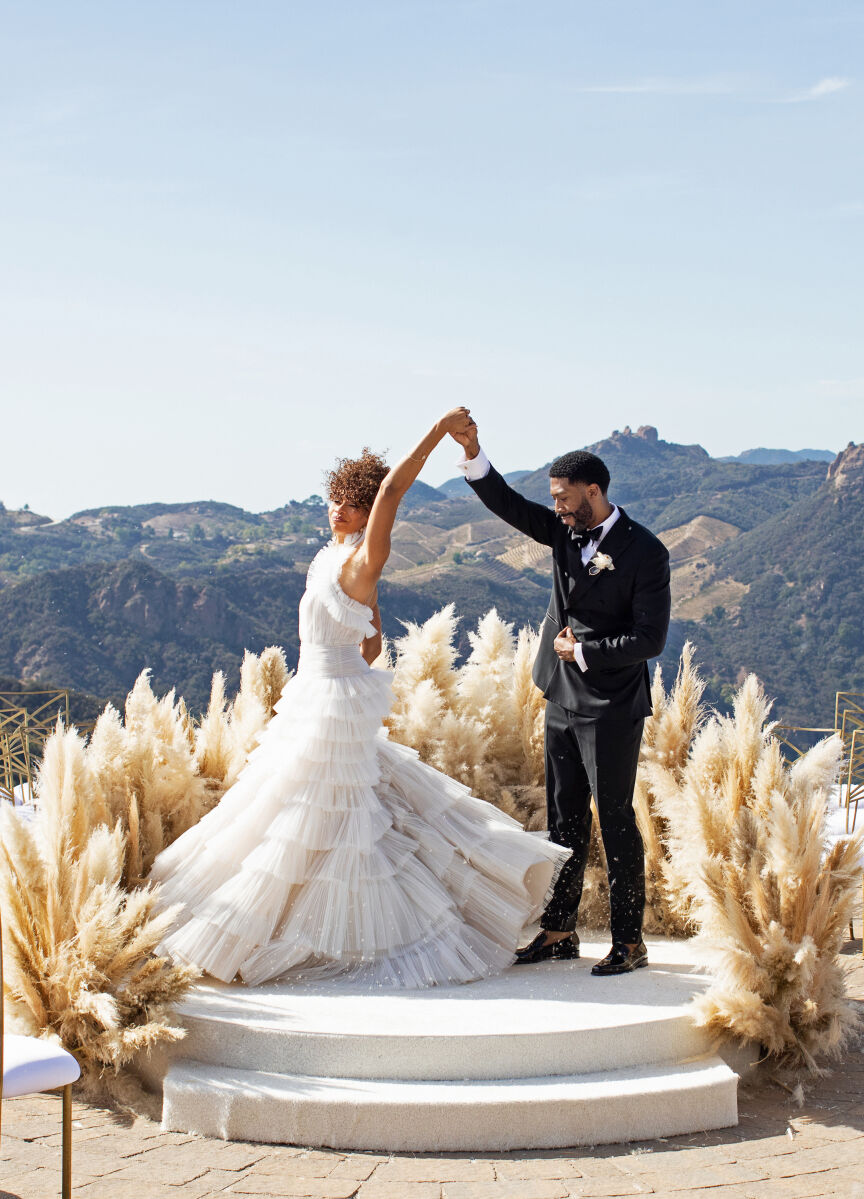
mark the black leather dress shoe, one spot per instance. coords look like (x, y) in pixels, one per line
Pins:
(538, 951)
(621, 960)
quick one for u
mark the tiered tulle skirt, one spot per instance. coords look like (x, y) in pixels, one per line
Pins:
(338, 852)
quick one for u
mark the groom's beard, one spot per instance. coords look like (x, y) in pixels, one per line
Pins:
(582, 517)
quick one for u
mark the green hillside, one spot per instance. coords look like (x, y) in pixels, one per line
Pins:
(95, 627)
(799, 626)
(175, 538)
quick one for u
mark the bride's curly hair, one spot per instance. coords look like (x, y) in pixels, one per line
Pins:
(356, 479)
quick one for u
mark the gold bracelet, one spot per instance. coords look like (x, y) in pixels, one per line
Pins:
(421, 460)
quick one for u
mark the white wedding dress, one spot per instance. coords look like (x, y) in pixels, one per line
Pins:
(338, 852)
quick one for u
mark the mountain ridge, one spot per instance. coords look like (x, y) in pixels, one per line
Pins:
(770, 457)
(184, 588)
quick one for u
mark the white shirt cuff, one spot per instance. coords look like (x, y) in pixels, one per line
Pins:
(474, 468)
(579, 657)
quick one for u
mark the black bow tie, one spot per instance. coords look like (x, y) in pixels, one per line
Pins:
(583, 537)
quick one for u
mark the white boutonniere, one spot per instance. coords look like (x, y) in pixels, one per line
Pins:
(600, 562)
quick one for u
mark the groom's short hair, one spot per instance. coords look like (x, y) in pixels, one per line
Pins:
(581, 466)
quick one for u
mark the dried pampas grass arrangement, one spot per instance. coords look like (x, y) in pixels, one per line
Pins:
(750, 872)
(733, 838)
(80, 927)
(78, 946)
(666, 742)
(481, 723)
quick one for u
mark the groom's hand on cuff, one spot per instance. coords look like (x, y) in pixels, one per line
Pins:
(469, 440)
(565, 645)
(569, 649)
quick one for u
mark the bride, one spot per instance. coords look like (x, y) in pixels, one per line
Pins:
(338, 852)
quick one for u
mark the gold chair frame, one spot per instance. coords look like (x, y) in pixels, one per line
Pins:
(849, 724)
(23, 733)
(854, 777)
(788, 742)
(851, 702)
(851, 729)
(45, 714)
(66, 1092)
(16, 759)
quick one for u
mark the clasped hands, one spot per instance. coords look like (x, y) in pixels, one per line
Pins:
(459, 423)
(565, 645)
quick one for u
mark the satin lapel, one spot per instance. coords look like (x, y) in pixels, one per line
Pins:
(614, 544)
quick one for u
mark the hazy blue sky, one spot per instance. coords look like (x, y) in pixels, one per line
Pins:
(241, 238)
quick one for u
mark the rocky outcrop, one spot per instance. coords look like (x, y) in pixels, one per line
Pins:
(846, 472)
(646, 440)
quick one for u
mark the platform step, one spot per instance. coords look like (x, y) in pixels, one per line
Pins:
(525, 1053)
(544, 1056)
(395, 1115)
(553, 1018)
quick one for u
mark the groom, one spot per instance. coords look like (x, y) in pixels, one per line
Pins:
(609, 613)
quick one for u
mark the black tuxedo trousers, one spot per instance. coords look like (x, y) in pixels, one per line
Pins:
(596, 758)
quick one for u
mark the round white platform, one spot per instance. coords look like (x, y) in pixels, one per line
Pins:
(543, 1056)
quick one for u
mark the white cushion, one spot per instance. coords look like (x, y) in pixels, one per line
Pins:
(31, 1065)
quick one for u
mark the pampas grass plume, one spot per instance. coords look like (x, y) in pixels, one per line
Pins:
(80, 930)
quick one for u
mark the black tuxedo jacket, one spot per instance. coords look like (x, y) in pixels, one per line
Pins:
(620, 616)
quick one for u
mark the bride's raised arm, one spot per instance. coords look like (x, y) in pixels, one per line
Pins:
(370, 559)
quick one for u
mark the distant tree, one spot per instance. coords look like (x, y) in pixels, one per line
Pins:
(848, 634)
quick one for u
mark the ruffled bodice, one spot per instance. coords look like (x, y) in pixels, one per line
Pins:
(337, 851)
(329, 617)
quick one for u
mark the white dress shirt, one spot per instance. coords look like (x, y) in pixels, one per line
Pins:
(478, 468)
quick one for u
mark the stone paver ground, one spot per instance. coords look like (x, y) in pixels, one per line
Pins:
(779, 1149)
